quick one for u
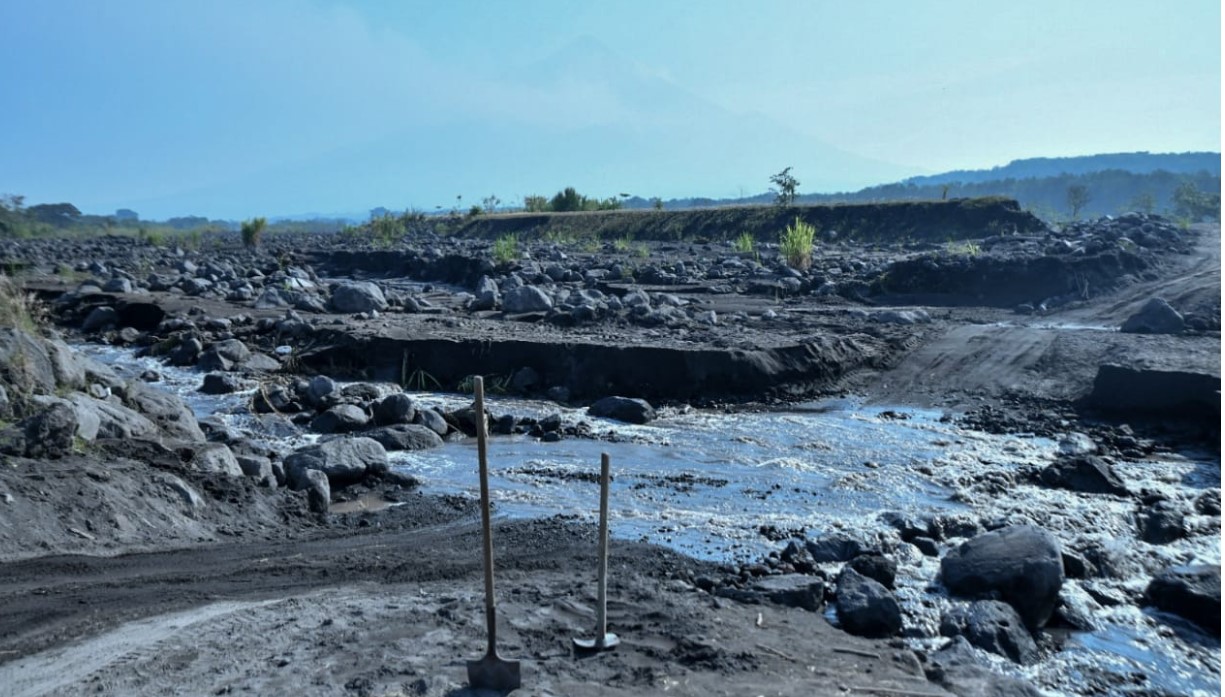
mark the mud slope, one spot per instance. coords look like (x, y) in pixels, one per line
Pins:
(1057, 355)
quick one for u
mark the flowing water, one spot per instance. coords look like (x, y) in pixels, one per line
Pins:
(707, 484)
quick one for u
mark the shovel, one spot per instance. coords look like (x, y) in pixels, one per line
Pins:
(491, 672)
(604, 640)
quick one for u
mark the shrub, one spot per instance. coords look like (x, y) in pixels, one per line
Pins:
(796, 244)
(506, 249)
(744, 243)
(252, 230)
(386, 229)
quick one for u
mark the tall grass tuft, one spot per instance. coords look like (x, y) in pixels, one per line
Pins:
(796, 244)
(506, 249)
(17, 309)
(744, 243)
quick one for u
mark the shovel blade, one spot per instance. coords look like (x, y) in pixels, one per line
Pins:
(606, 643)
(493, 673)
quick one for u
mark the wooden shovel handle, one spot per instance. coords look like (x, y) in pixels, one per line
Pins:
(491, 623)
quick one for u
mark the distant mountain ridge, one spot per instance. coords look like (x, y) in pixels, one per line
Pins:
(1036, 167)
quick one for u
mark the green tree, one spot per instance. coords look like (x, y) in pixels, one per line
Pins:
(535, 204)
(787, 184)
(567, 200)
(1078, 198)
(1195, 205)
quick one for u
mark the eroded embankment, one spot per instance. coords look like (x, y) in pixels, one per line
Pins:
(587, 369)
(919, 220)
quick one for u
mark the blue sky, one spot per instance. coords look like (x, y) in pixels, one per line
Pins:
(232, 108)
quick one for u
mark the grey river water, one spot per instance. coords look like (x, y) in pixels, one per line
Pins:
(704, 483)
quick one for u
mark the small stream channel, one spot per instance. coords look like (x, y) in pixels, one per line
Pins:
(705, 484)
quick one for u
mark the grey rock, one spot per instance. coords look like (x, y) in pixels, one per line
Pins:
(213, 457)
(1086, 474)
(258, 468)
(1156, 317)
(166, 410)
(405, 437)
(432, 420)
(342, 418)
(320, 388)
(100, 318)
(877, 567)
(1022, 565)
(357, 296)
(1191, 592)
(526, 299)
(993, 626)
(224, 355)
(956, 669)
(865, 607)
(318, 490)
(221, 383)
(835, 548)
(1162, 523)
(395, 408)
(117, 285)
(49, 433)
(788, 590)
(344, 461)
(487, 295)
(627, 409)
(25, 366)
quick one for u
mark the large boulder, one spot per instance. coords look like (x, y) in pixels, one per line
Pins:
(487, 295)
(25, 366)
(165, 409)
(865, 607)
(342, 418)
(1156, 317)
(100, 318)
(404, 437)
(836, 547)
(627, 409)
(395, 408)
(1021, 565)
(526, 299)
(49, 433)
(213, 458)
(357, 296)
(344, 461)
(1086, 474)
(104, 419)
(223, 355)
(1191, 592)
(992, 626)
(318, 490)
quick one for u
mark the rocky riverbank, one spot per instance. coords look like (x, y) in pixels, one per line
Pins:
(1014, 333)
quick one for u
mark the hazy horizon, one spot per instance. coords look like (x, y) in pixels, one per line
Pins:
(284, 107)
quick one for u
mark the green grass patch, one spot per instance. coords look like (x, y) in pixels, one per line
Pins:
(795, 243)
(506, 249)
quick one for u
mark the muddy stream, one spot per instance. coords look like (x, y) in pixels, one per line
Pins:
(708, 484)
